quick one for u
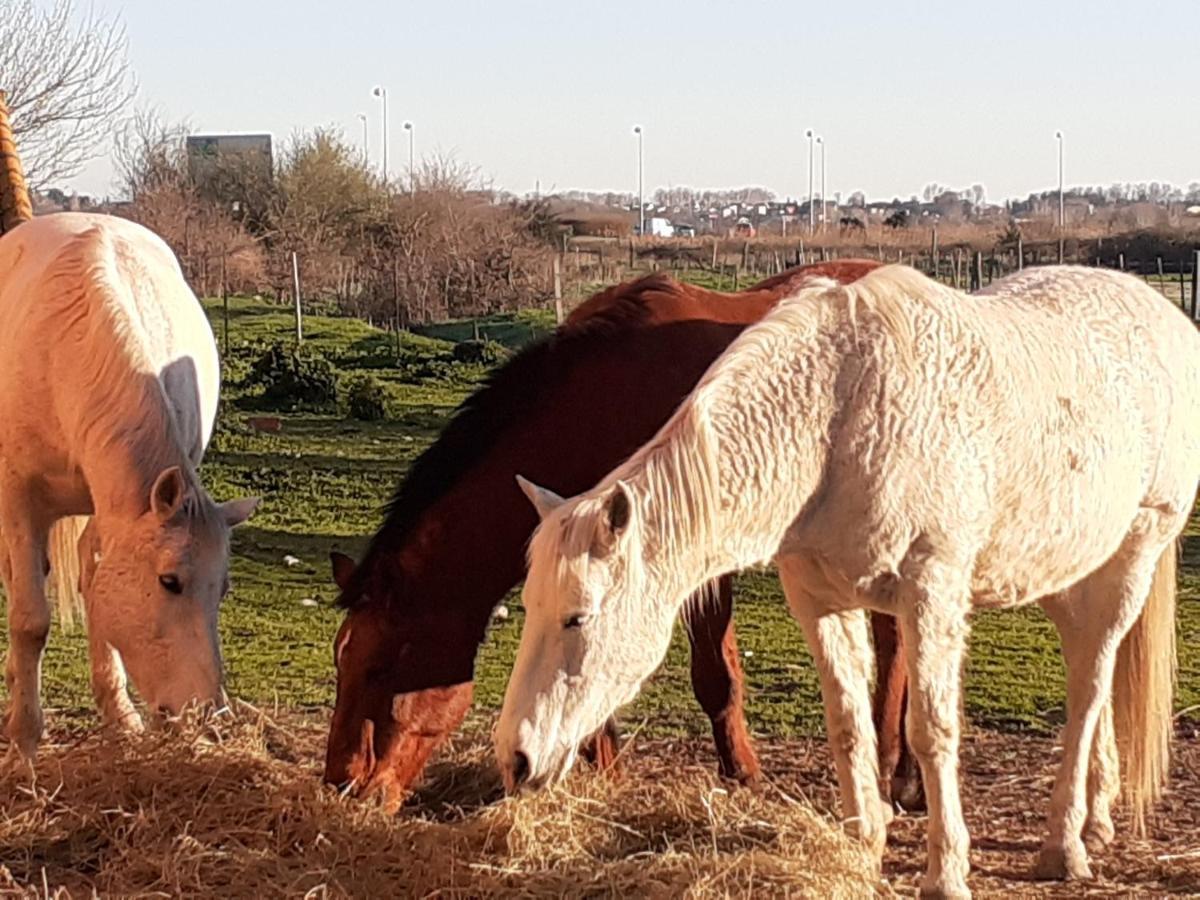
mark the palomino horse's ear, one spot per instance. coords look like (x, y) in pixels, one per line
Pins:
(617, 509)
(168, 493)
(343, 569)
(543, 500)
(235, 512)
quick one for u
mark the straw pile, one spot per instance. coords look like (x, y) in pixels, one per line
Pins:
(235, 810)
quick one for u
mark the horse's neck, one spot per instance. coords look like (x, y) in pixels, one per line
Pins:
(127, 444)
(734, 468)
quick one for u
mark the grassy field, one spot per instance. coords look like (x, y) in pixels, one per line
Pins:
(324, 477)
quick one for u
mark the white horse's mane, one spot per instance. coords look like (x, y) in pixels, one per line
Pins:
(91, 305)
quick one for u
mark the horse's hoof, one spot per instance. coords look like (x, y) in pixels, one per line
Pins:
(946, 890)
(909, 795)
(1061, 864)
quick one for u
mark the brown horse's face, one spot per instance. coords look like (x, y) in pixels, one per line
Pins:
(401, 689)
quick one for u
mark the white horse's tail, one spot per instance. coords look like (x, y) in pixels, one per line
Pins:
(1144, 691)
(65, 568)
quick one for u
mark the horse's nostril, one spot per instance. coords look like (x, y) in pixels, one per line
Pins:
(520, 770)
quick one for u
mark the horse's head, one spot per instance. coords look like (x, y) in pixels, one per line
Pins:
(589, 638)
(154, 585)
(404, 682)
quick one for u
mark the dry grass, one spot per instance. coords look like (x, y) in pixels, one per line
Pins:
(235, 810)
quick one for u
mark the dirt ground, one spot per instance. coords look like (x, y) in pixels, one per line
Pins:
(1006, 782)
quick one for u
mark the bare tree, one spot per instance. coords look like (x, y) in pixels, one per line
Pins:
(68, 80)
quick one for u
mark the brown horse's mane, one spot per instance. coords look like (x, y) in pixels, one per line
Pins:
(508, 394)
(520, 386)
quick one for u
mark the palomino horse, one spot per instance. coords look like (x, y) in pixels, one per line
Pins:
(107, 397)
(899, 446)
(420, 601)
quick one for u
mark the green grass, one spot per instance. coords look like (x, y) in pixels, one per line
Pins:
(323, 479)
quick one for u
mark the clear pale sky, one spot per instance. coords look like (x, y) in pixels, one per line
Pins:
(904, 92)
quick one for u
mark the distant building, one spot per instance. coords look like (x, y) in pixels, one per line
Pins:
(659, 227)
(206, 151)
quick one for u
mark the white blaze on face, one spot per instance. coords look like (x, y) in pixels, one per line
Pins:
(585, 648)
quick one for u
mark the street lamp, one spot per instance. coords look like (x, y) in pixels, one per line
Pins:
(412, 175)
(1062, 221)
(811, 219)
(362, 117)
(821, 141)
(637, 129)
(381, 93)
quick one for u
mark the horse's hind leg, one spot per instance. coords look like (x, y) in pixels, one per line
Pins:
(842, 652)
(1104, 771)
(1093, 618)
(932, 609)
(717, 679)
(28, 623)
(899, 774)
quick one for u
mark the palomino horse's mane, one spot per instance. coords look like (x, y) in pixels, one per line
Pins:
(82, 288)
(509, 393)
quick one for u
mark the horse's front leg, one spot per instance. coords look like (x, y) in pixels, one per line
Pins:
(109, 685)
(842, 652)
(717, 679)
(932, 610)
(28, 624)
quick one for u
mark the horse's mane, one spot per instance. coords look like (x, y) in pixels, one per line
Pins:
(511, 391)
(99, 338)
(508, 394)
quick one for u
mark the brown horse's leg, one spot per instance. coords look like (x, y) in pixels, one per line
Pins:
(601, 749)
(899, 775)
(717, 680)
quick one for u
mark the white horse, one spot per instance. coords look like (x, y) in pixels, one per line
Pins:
(108, 392)
(896, 445)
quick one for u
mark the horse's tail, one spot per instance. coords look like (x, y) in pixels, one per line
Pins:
(1143, 693)
(65, 568)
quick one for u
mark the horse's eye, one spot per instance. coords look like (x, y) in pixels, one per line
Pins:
(575, 621)
(171, 583)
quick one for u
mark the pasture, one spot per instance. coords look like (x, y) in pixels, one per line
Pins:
(323, 478)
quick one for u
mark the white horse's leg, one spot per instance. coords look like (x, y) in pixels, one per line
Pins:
(110, 689)
(1099, 612)
(1104, 768)
(932, 612)
(28, 626)
(109, 685)
(841, 648)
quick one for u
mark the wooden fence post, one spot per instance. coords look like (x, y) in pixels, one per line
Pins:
(558, 304)
(1195, 284)
(296, 294)
(933, 253)
(1020, 252)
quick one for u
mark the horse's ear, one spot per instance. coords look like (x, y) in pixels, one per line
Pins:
(343, 569)
(167, 495)
(235, 512)
(617, 509)
(543, 500)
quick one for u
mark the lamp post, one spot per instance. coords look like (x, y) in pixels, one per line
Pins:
(381, 93)
(821, 141)
(811, 217)
(362, 117)
(637, 129)
(412, 173)
(1062, 220)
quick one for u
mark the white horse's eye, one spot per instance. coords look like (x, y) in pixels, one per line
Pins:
(575, 621)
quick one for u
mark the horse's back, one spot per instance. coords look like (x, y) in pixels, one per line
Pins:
(1062, 395)
(79, 289)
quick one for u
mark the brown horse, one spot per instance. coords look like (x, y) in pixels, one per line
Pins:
(562, 412)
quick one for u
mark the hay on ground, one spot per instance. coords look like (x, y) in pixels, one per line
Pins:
(235, 809)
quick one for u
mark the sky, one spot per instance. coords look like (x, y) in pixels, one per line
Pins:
(903, 93)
